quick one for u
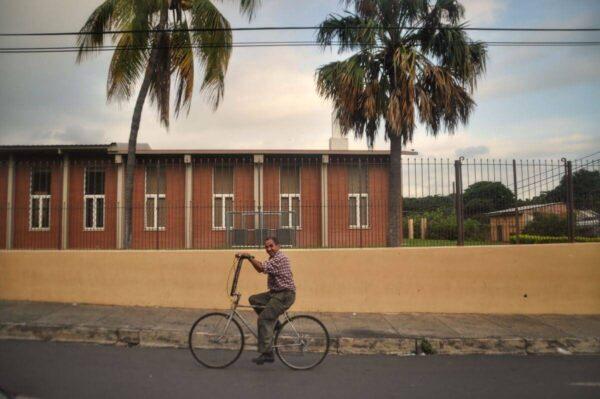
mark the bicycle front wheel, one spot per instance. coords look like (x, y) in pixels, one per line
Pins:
(302, 342)
(215, 340)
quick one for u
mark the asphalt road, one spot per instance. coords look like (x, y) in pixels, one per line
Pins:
(59, 370)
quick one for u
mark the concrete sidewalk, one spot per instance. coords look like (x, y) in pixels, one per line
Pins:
(363, 333)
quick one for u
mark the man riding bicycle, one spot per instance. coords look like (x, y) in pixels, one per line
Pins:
(273, 303)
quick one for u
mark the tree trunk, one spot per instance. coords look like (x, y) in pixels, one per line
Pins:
(133, 134)
(395, 233)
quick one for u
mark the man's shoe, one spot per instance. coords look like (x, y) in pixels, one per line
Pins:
(264, 358)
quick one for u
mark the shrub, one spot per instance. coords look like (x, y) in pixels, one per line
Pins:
(443, 226)
(426, 347)
(547, 224)
(475, 230)
(534, 239)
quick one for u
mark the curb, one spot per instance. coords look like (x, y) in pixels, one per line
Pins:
(401, 346)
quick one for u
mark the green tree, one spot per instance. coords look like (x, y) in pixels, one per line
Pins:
(487, 196)
(412, 62)
(416, 205)
(586, 190)
(154, 46)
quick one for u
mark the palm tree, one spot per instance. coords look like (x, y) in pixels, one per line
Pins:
(412, 58)
(153, 46)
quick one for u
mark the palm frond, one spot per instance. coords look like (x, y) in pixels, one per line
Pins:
(160, 81)
(343, 28)
(126, 67)
(214, 47)
(411, 11)
(182, 64)
(92, 33)
(128, 64)
(356, 92)
(249, 7)
(443, 102)
(449, 10)
(364, 8)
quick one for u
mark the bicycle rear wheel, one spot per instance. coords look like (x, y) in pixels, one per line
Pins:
(302, 342)
(216, 341)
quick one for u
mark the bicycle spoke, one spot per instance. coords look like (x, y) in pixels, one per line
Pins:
(302, 343)
(216, 340)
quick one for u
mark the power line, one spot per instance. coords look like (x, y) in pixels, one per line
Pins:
(272, 28)
(71, 49)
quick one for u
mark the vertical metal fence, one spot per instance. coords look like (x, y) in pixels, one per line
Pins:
(308, 201)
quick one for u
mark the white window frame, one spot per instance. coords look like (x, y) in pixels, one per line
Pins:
(358, 196)
(156, 197)
(223, 198)
(289, 196)
(39, 198)
(290, 209)
(94, 198)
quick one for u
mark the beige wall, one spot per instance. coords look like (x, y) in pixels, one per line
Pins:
(561, 278)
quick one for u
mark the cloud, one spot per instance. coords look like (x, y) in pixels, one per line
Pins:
(471, 152)
(481, 12)
(543, 70)
(68, 135)
(78, 135)
(545, 137)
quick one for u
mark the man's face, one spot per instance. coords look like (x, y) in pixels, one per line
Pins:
(271, 247)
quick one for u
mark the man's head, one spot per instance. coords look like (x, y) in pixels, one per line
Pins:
(271, 245)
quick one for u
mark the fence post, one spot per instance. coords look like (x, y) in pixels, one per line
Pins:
(10, 198)
(64, 213)
(517, 221)
(459, 202)
(570, 205)
(189, 181)
(156, 206)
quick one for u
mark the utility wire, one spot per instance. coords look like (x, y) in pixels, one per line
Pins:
(71, 49)
(279, 28)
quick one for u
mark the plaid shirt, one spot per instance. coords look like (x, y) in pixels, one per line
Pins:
(280, 273)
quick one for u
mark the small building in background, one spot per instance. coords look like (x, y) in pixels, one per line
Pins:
(503, 223)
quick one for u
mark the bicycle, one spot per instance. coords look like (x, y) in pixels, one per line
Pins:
(216, 340)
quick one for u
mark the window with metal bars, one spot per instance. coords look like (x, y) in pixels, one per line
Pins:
(358, 196)
(93, 199)
(289, 196)
(155, 198)
(223, 196)
(39, 199)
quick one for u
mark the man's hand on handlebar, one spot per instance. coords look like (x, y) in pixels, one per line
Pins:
(244, 255)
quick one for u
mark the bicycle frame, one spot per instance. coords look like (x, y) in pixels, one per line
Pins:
(233, 313)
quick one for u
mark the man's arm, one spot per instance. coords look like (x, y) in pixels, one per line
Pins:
(258, 266)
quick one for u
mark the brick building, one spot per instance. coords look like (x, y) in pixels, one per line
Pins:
(71, 196)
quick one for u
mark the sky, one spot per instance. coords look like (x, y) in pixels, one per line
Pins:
(533, 102)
